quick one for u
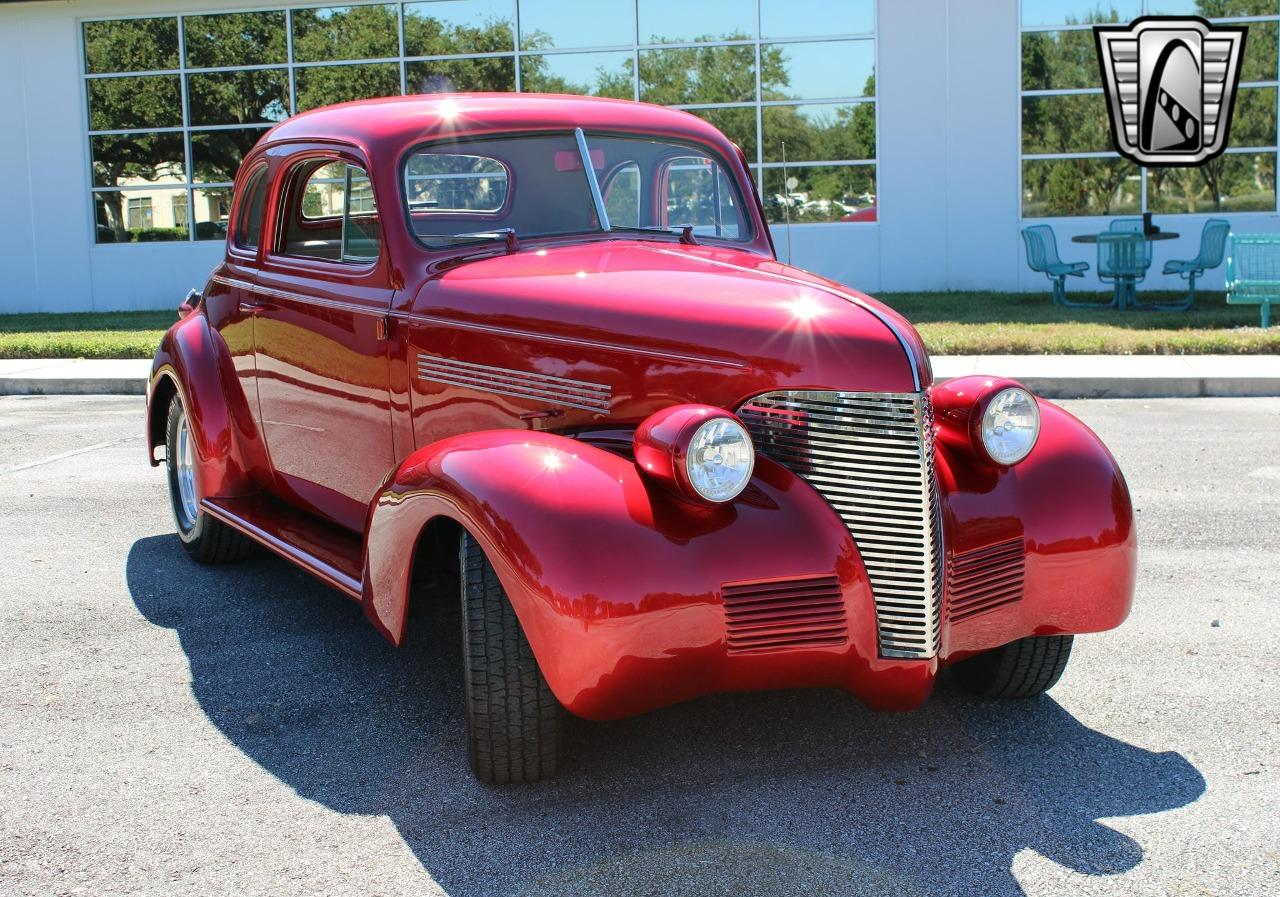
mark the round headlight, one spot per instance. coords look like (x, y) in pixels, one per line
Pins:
(719, 459)
(1010, 426)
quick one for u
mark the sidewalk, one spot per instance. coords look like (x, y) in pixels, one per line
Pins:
(1052, 376)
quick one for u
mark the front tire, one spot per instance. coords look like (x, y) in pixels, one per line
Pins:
(514, 722)
(1021, 669)
(207, 540)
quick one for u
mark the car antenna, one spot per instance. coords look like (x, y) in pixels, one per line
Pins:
(786, 199)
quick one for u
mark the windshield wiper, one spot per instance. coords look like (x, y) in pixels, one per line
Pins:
(498, 233)
(683, 231)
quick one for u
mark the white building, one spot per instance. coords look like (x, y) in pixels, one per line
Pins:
(936, 128)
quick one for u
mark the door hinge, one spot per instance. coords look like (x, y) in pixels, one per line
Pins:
(384, 327)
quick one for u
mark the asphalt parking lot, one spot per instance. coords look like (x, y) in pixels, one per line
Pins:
(169, 729)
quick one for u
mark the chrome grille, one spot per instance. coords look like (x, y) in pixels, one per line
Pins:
(871, 456)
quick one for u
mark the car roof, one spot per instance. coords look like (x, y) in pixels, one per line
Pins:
(394, 122)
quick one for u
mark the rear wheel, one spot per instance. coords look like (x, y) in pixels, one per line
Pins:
(207, 540)
(513, 720)
(1021, 669)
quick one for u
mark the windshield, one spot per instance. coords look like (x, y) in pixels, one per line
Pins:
(537, 186)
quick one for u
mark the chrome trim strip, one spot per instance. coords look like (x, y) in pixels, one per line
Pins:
(580, 394)
(572, 341)
(878, 475)
(596, 196)
(273, 293)
(412, 318)
(912, 362)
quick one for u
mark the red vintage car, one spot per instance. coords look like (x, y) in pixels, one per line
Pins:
(544, 343)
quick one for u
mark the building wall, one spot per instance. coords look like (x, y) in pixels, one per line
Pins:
(948, 180)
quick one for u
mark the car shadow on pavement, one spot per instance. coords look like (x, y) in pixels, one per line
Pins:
(769, 793)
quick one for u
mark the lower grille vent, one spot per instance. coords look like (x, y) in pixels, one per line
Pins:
(805, 612)
(982, 580)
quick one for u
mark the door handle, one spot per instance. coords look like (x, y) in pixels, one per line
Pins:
(253, 306)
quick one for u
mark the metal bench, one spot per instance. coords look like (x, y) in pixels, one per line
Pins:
(1253, 272)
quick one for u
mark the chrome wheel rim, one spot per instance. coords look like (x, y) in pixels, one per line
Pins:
(184, 470)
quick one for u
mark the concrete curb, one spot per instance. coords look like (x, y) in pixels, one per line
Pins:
(1051, 376)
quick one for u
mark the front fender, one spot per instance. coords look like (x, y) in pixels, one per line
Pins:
(1069, 505)
(617, 583)
(194, 362)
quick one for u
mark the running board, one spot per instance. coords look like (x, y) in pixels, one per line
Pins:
(331, 555)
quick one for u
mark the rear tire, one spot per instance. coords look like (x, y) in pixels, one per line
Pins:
(207, 540)
(514, 722)
(1021, 669)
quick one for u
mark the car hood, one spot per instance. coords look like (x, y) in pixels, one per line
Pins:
(742, 323)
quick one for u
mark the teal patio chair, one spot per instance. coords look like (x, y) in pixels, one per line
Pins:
(1253, 272)
(1213, 246)
(1123, 260)
(1042, 256)
(1132, 226)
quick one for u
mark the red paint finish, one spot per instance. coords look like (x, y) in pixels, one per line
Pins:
(339, 408)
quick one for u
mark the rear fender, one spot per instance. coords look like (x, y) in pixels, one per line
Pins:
(194, 362)
(617, 583)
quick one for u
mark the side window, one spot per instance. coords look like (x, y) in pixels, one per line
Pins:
(331, 213)
(700, 193)
(455, 183)
(249, 224)
(622, 196)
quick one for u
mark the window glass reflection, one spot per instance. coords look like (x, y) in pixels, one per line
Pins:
(1057, 60)
(229, 98)
(213, 212)
(492, 73)
(679, 21)
(146, 214)
(808, 194)
(1053, 187)
(151, 101)
(216, 155)
(345, 32)
(1212, 8)
(813, 71)
(131, 45)
(327, 84)
(1071, 123)
(698, 75)
(237, 38)
(120, 159)
(594, 74)
(738, 124)
(1036, 13)
(816, 18)
(817, 132)
(459, 26)
(1229, 183)
(545, 24)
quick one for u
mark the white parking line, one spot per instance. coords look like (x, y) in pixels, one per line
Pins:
(72, 453)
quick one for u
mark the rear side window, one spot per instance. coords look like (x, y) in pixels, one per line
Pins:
(699, 194)
(249, 224)
(455, 182)
(331, 213)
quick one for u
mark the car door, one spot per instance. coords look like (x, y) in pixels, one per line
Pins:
(321, 302)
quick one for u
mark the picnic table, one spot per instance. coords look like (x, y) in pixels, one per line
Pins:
(1122, 264)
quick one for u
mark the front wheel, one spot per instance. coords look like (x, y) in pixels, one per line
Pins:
(207, 540)
(513, 719)
(1021, 669)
